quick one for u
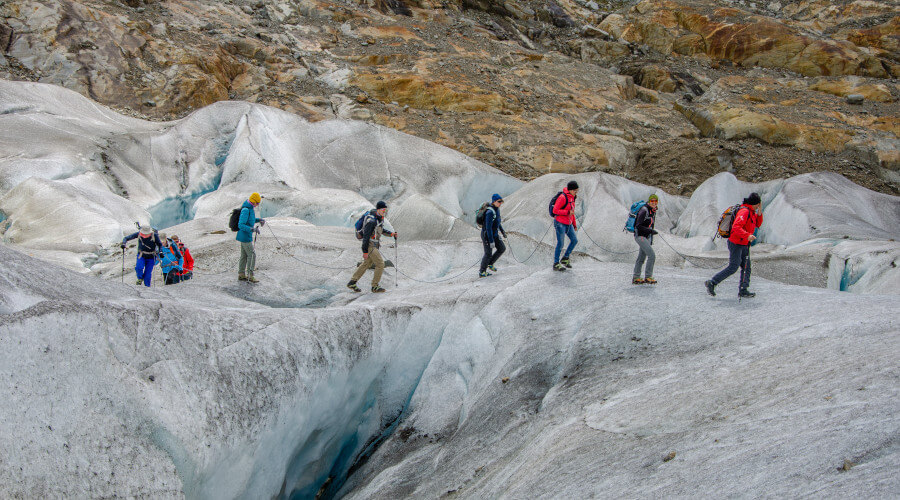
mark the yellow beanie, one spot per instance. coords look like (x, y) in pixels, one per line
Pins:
(255, 198)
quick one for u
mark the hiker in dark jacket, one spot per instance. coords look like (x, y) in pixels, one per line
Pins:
(643, 235)
(746, 220)
(246, 229)
(490, 235)
(565, 223)
(148, 244)
(373, 227)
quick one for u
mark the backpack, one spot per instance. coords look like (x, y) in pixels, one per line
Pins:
(479, 214)
(553, 202)
(632, 215)
(723, 229)
(235, 219)
(360, 224)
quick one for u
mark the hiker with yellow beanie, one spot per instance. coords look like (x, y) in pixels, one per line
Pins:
(246, 229)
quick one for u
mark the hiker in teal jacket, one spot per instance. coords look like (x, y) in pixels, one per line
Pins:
(170, 260)
(246, 229)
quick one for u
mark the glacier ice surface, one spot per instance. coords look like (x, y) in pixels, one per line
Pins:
(528, 383)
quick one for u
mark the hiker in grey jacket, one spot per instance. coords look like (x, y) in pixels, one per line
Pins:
(643, 236)
(373, 228)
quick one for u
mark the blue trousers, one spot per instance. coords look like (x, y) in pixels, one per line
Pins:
(563, 230)
(144, 268)
(738, 257)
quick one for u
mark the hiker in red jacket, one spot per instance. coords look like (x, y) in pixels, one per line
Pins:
(565, 224)
(187, 271)
(747, 219)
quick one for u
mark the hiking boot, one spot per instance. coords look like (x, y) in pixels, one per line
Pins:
(559, 267)
(710, 288)
(139, 282)
(377, 289)
(252, 279)
(637, 281)
(649, 281)
(484, 274)
(746, 294)
(242, 277)
(566, 263)
(492, 268)
(352, 285)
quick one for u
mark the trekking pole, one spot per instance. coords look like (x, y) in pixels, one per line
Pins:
(396, 259)
(123, 266)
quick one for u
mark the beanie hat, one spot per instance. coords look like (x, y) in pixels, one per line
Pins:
(496, 197)
(381, 204)
(572, 185)
(146, 231)
(753, 199)
(653, 197)
(255, 198)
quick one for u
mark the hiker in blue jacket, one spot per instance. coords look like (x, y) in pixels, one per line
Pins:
(490, 236)
(148, 244)
(170, 260)
(246, 229)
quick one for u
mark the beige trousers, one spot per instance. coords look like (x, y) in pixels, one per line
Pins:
(374, 258)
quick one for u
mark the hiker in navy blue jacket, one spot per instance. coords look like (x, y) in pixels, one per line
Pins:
(148, 244)
(490, 236)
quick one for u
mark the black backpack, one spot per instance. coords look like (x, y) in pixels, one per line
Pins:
(479, 214)
(553, 202)
(235, 219)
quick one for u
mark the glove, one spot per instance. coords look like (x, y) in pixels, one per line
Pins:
(256, 230)
(504, 234)
(262, 222)
(394, 235)
(122, 246)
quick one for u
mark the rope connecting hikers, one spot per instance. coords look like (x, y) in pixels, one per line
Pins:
(737, 224)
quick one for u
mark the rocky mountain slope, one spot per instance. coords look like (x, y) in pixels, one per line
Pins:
(668, 93)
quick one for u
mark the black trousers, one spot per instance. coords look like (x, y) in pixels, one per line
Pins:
(738, 258)
(172, 277)
(491, 257)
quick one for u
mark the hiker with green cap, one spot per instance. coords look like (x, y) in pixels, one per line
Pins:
(246, 229)
(643, 236)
